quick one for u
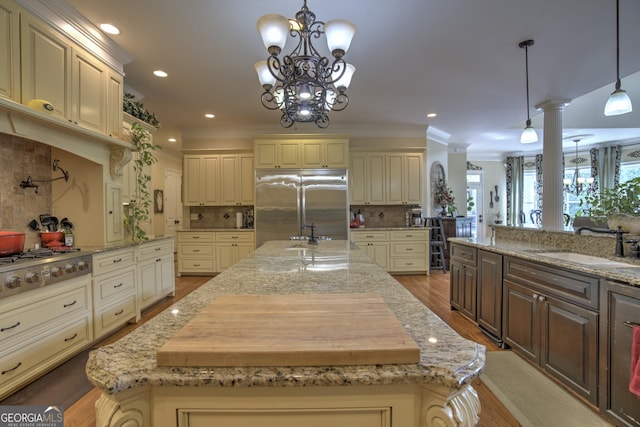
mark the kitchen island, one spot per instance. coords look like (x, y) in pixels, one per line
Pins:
(435, 391)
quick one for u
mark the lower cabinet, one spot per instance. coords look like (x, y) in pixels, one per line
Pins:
(551, 318)
(210, 252)
(114, 296)
(154, 272)
(397, 251)
(620, 312)
(463, 286)
(489, 297)
(41, 329)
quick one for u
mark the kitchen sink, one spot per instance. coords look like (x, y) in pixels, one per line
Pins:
(592, 261)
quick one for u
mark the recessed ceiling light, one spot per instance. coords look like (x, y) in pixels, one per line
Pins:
(430, 115)
(160, 73)
(209, 116)
(110, 29)
(172, 140)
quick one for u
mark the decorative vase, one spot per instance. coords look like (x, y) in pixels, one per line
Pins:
(629, 223)
(443, 204)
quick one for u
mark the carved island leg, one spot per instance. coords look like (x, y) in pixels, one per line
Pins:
(443, 407)
(126, 409)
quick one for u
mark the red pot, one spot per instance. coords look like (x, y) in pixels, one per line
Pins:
(11, 243)
(49, 238)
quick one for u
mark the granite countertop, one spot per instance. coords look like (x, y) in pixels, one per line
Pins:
(285, 267)
(125, 245)
(620, 269)
(389, 228)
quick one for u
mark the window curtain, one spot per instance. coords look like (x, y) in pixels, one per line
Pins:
(515, 181)
(605, 166)
(539, 179)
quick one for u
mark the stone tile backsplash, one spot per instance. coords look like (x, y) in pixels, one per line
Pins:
(216, 216)
(19, 159)
(382, 215)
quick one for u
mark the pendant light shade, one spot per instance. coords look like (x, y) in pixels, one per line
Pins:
(529, 134)
(619, 102)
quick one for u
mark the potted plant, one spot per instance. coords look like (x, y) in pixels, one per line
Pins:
(139, 208)
(620, 205)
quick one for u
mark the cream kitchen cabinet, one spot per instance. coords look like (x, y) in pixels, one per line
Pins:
(374, 243)
(155, 276)
(201, 180)
(277, 154)
(42, 328)
(46, 65)
(367, 179)
(409, 251)
(196, 252)
(325, 154)
(114, 284)
(236, 179)
(88, 91)
(218, 180)
(113, 206)
(385, 178)
(232, 246)
(404, 179)
(115, 116)
(10, 50)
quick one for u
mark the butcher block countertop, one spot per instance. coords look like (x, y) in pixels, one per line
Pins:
(290, 268)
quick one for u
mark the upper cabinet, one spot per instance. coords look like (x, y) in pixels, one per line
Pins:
(9, 51)
(385, 178)
(38, 61)
(296, 154)
(218, 180)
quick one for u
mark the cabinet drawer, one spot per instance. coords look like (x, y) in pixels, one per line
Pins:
(17, 323)
(568, 285)
(409, 249)
(114, 315)
(464, 254)
(196, 250)
(196, 236)
(114, 287)
(112, 260)
(409, 235)
(365, 236)
(408, 264)
(224, 236)
(150, 250)
(20, 365)
(192, 265)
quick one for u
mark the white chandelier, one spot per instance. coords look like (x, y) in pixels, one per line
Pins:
(576, 185)
(304, 85)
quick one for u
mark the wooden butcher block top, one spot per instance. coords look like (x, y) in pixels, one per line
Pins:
(291, 330)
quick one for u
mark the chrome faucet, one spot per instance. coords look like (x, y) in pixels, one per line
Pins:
(618, 233)
(312, 239)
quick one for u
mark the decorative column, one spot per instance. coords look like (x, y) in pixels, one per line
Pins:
(552, 218)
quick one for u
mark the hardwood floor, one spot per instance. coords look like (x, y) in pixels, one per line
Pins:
(432, 290)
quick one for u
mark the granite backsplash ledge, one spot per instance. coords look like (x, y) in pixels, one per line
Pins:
(587, 243)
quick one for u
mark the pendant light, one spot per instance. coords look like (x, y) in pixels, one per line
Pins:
(619, 102)
(529, 134)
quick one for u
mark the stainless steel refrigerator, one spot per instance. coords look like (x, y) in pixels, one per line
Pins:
(288, 201)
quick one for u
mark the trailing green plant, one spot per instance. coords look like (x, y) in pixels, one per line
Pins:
(138, 110)
(624, 198)
(142, 161)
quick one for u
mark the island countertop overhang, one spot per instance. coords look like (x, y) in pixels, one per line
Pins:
(283, 267)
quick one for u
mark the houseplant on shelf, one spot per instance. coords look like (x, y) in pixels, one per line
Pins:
(139, 208)
(620, 205)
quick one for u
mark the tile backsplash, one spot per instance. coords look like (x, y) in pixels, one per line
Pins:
(19, 159)
(382, 215)
(215, 216)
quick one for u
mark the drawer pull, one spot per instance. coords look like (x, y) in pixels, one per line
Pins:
(409, 249)
(12, 369)
(117, 260)
(195, 237)
(370, 237)
(72, 338)
(409, 263)
(118, 285)
(120, 312)
(196, 265)
(195, 250)
(158, 249)
(70, 304)
(10, 327)
(234, 237)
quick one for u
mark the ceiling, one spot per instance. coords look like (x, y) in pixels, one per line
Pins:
(459, 59)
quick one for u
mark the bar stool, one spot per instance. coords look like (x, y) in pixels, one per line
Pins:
(437, 244)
